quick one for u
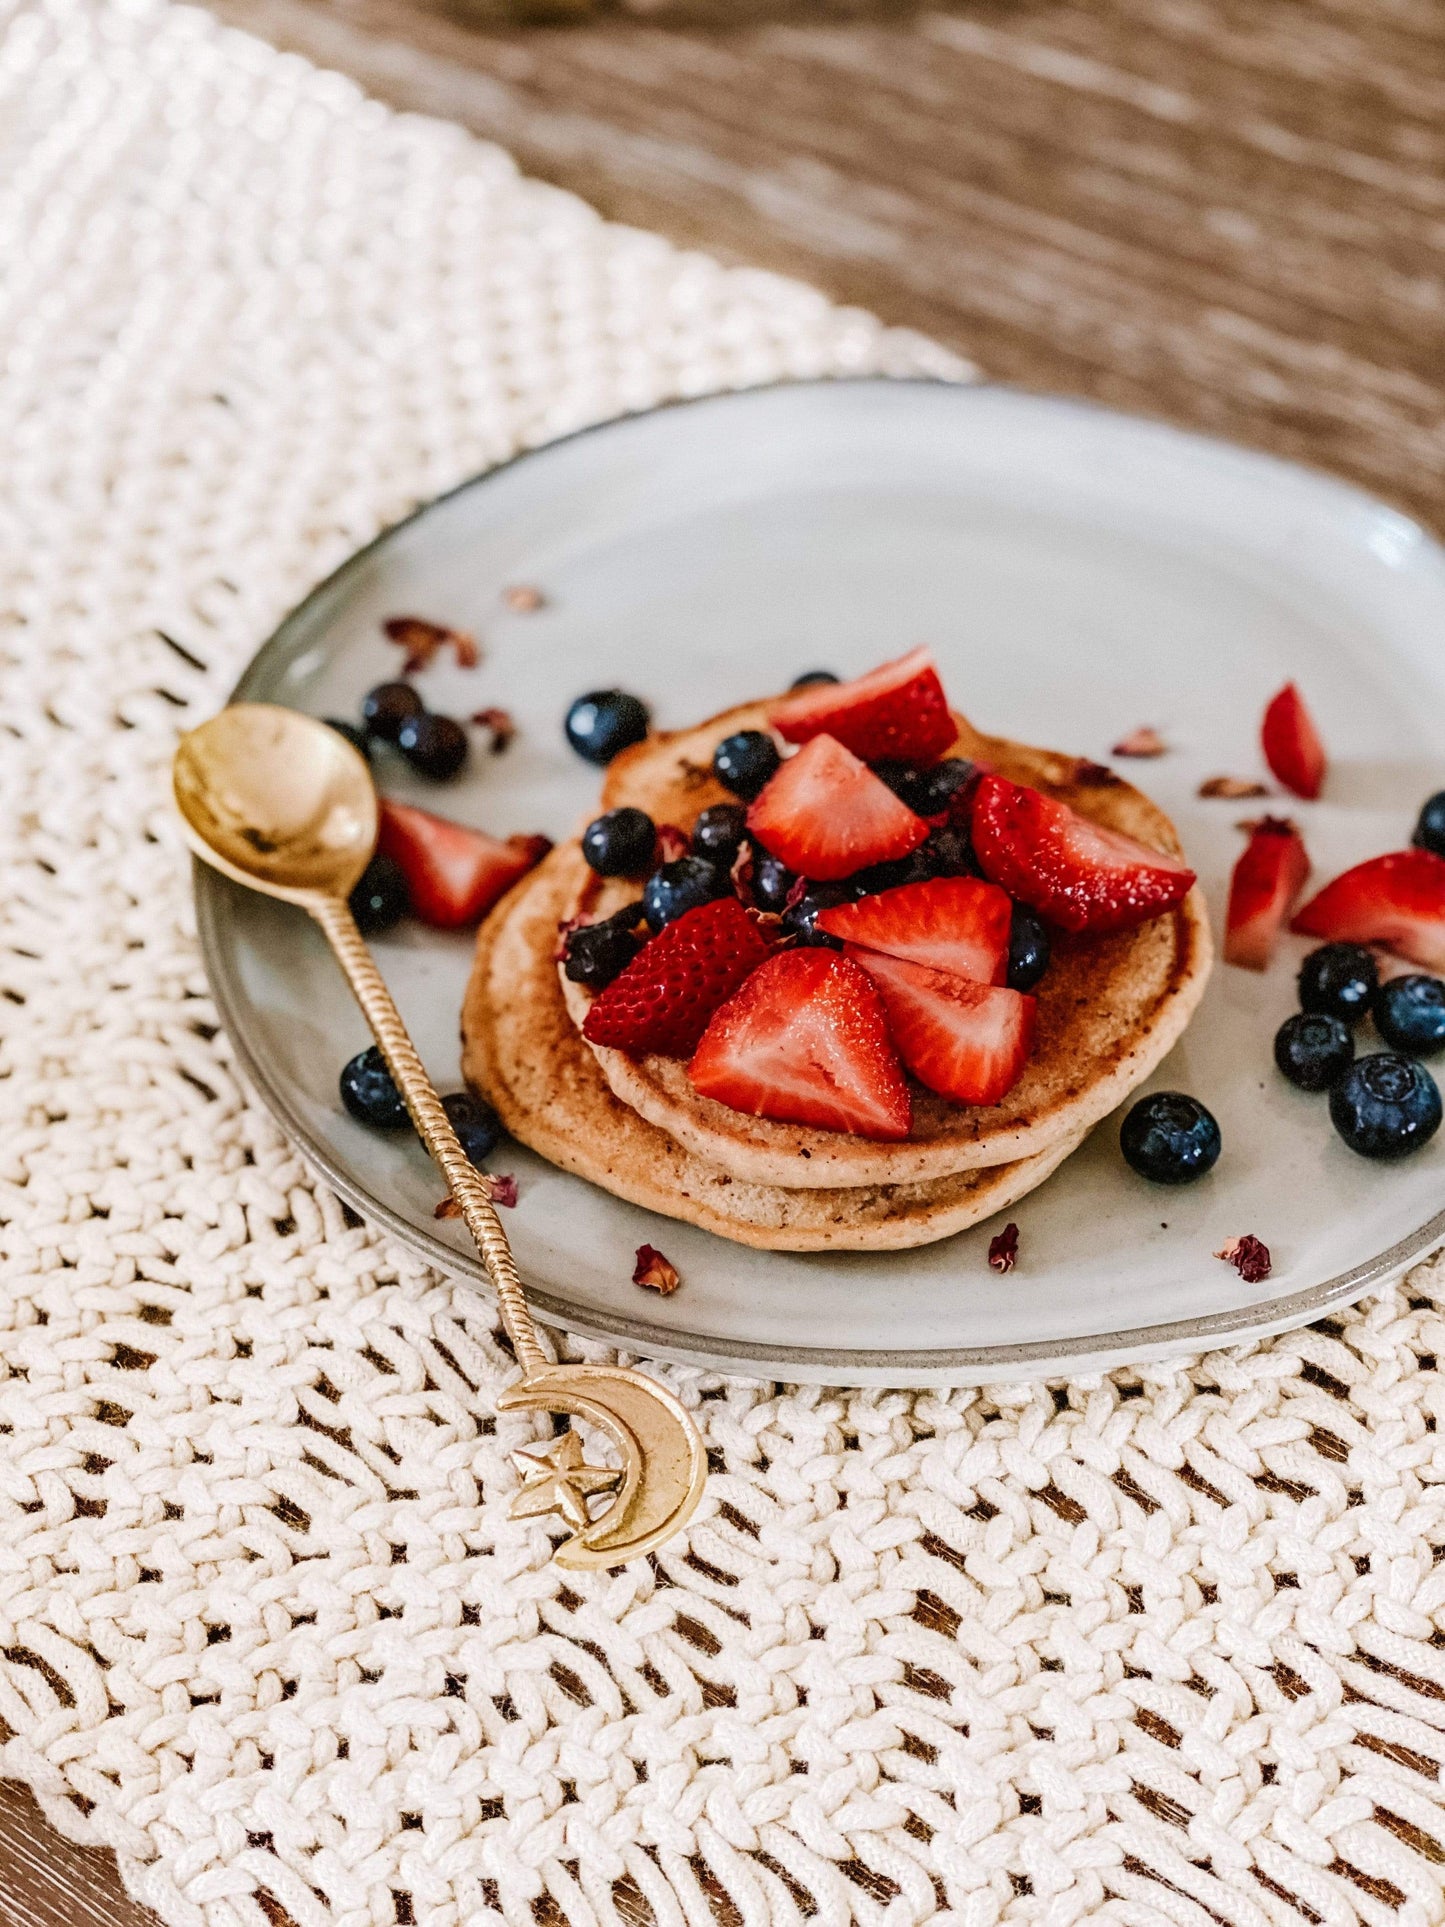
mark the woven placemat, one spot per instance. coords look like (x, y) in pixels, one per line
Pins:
(1160, 1646)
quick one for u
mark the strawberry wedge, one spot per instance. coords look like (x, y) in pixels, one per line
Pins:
(1396, 900)
(662, 1001)
(805, 1041)
(958, 924)
(966, 1041)
(1292, 745)
(454, 874)
(898, 710)
(1070, 870)
(1272, 870)
(825, 814)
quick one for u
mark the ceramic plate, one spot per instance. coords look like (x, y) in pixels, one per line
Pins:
(1078, 573)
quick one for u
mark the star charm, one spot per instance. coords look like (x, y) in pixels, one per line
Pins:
(557, 1480)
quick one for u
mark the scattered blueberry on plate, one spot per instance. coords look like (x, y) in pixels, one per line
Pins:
(619, 843)
(1430, 830)
(385, 708)
(1409, 1014)
(1339, 980)
(1313, 1049)
(478, 1128)
(435, 746)
(744, 762)
(680, 886)
(381, 899)
(601, 724)
(1170, 1138)
(369, 1094)
(1028, 948)
(1386, 1106)
(810, 676)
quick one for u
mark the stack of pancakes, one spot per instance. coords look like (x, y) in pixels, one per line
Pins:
(1109, 1008)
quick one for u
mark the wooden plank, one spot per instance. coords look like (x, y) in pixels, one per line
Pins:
(45, 1881)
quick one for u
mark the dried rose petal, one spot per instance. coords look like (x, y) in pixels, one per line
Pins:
(654, 1271)
(1141, 742)
(501, 1188)
(500, 723)
(422, 639)
(1274, 825)
(564, 931)
(797, 890)
(1235, 788)
(1093, 775)
(448, 1208)
(741, 875)
(1003, 1251)
(671, 843)
(1249, 1257)
(523, 600)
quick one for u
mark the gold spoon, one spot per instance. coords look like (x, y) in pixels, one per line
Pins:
(283, 804)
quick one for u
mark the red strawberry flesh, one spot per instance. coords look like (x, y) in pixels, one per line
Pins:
(958, 924)
(1397, 900)
(1272, 870)
(1071, 870)
(454, 873)
(1292, 745)
(898, 710)
(805, 1041)
(825, 814)
(967, 1041)
(663, 1000)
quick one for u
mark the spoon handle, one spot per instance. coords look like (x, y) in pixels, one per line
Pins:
(433, 1125)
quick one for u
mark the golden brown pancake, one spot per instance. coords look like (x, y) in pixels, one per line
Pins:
(522, 1051)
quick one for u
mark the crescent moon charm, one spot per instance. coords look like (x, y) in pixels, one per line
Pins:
(663, 1469)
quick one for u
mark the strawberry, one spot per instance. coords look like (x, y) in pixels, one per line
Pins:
(1067, 868)
(1398, 900)
(454, 873)
(805, 1042)
(967, 1041)
(898, 710)
(959, 924)
(663, 999)
(1267, 880)
(825, 815)
(1292, 746)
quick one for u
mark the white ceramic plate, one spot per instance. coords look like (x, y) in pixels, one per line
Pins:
(1078, 573)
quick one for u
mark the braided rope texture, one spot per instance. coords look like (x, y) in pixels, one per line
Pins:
(1162, 1646)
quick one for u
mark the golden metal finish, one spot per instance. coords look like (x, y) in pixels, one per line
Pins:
(283, 804)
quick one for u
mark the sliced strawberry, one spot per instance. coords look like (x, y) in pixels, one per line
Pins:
(1067, 868)
(825, 815)
(1398, 900)
(1267, 879)
(1292, 746)
(959, 924)
(805, 1042)
(454, 874)
(898, 710)
(663, 999)
(967, 1041)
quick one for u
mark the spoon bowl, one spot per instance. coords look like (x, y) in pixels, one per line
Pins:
(277, 801)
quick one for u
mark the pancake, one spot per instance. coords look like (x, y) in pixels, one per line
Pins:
(522, 1052)
(1109, 1008)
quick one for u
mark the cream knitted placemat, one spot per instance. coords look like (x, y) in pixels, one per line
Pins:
(1161, 1646)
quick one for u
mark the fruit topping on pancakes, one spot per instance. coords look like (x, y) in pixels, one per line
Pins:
(663, 999)
(825, 814)
(898, 710)
(968, 1041)
(957, 924)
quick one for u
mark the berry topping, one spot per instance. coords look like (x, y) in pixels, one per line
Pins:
(1003, 1250)
(805, 1041)
(1271, 872)
(381, 898)
(385, 708)
(1029, 948)
(1397, 900)
(1249, 1257)
(620, 844)
(927, 792)
(655, 1272)
(826, 814)
(1064, 866)
(663, 999)
(1314, 1050)
(358, 738)
(968, 1041)
(369, 1092)
(1170, 1138)
(601, 724)
(1430, 829)
(718, 833)
(770, 882)
(898, 710)
(806, 905)
(453, 872)
(1339, 979)
(1386, 1106)
(1292, 747)
(958, 924)
(435, 746)
(811, 676)
(681, 886)
(1409, 1014)
(478, 1128)
(743, 763)
(595, 953)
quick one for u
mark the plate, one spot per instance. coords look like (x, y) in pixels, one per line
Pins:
(1078, 573)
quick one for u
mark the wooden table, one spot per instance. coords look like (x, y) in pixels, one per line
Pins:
(1228, 213)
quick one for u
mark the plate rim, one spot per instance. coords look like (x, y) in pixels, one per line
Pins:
(1074, 1355)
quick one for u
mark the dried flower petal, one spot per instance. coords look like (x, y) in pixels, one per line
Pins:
(448, 1208)
(671, 843)
(797, 890)
(422, 639)
(1249, 1257)
(501, 1188)
(1141, 742)
(1271, 825)
(1093, 775)
(654, 1271)
(564, 931)
(524, 600)
(1235, 788)
(500, 723)
(741, 875)
(1003, 1251)
(692, 775)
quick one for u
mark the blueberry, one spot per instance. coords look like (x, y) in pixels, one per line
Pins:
(948, 853)
(1028, 949)
(369, 1094)
(913, 868)
(772, 882)
(598, 952)
(358, 738)
(603, 723)
(381, 898)
(1313, 1049)
(800, 919)
(1386, 1106)
(718, 833)
(743, 763)
(927, 792)
(810, 676)
(478, 1128)
(385, 708)
(1430, 830)
(620, 844)
(1170, 1138)
(435, 746)
(1339, 980)
(680, 886)
(1409, 1014)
